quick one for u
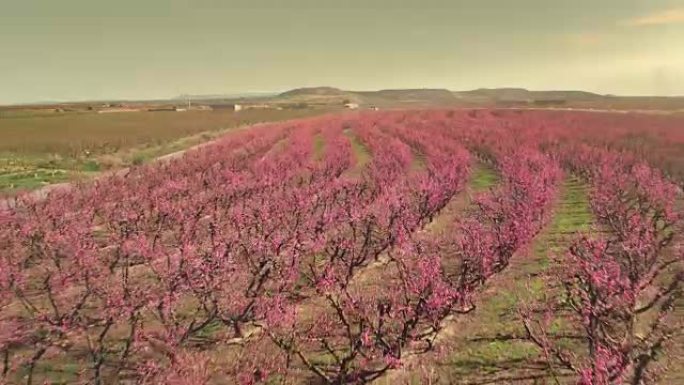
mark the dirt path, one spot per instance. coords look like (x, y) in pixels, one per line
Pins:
(361, 153)
(484, 347)
(481, 178)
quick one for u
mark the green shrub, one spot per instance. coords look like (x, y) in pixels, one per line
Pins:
(91, 166)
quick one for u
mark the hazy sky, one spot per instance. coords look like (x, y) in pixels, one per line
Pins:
(104, 49)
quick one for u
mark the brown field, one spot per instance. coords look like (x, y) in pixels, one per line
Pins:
(39, 147)
(74, 134)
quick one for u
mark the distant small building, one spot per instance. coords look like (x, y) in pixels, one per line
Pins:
(162, 109)
(256, 106)
(351, 106)
(117, 109)
(167, 109)
(228, 106)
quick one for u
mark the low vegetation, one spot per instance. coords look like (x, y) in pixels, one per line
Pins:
(40, 147)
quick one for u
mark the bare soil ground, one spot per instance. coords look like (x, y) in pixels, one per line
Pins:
(486, 346)
(41, 149)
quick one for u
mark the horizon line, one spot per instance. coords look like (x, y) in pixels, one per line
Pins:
(254, 94)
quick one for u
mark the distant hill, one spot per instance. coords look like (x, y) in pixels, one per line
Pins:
(436, 96)
(317, 96)
(313, 91)
(523, 95)
(409, 96)
(427, 97)
(414, 97)
(482, 97)
(381, 98)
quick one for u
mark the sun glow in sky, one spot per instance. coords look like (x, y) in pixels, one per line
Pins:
(95, 49)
